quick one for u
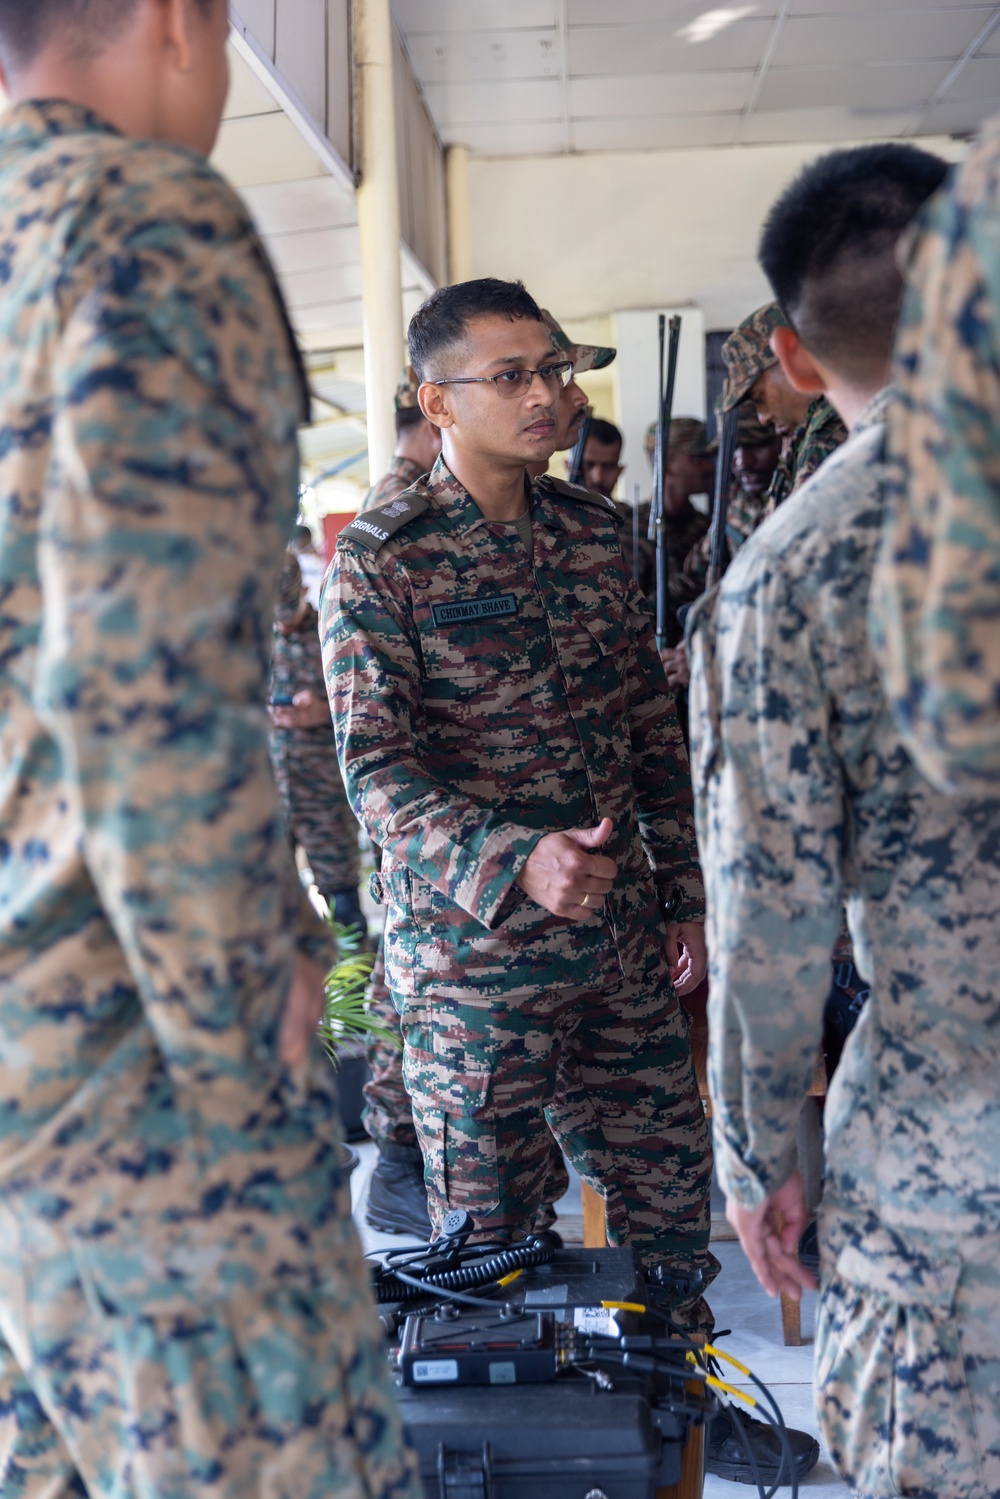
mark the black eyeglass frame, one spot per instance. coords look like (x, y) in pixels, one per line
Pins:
(563, 369)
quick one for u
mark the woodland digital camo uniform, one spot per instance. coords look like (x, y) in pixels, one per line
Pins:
(806, 794)
(937, 597)
(306, 768)
(481, 699)
(811, 444)
(183, 1306)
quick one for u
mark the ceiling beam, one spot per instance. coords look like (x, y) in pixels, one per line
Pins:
(762, 70)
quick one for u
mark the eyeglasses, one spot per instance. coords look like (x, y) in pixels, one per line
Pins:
(516, 382)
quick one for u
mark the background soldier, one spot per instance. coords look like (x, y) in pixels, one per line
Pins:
(304, 753)
(799, 761)
(937, 592)
(602, 457)
(690, 469)
(183, 1302)
(515, 997)
(418, 443)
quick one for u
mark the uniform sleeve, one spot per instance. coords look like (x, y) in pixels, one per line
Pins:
(769, 813)
(168, 481)
(936, 602)
(661, 773)
(373, 675)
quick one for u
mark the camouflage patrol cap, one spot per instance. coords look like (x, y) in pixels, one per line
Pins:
(747, 353)
(406, 390)
(584, 356)
(687, 435)
(289, 591)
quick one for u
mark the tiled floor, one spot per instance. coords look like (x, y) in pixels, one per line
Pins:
(738, 1303)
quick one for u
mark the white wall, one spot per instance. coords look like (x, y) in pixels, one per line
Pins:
(603, 233)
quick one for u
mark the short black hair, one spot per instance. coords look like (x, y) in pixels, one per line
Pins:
(408, 416)
(83, 27)
(828, 248)
(441, 322)
(604, 431)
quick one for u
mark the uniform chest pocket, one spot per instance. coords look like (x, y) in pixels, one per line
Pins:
(478, 682)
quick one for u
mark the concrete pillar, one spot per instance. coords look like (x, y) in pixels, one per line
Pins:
(378, 224)
(459, 229)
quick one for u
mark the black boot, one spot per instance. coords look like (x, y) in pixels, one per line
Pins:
(397, 1197)
(726, 1448)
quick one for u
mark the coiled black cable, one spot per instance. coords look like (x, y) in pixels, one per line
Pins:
(389, 1287)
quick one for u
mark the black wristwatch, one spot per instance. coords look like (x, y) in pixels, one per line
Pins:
(671, 900)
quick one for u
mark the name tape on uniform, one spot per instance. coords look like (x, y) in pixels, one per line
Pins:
(467, 611)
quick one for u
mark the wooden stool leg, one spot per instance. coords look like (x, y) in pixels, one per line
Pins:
(791, 1321)
(595, 1226)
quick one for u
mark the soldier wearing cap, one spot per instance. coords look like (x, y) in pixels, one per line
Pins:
(572, 406)
(417, 445)
(810, 428)
(689, 472)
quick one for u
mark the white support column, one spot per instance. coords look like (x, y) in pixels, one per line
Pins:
(378, 224)
(459, 227)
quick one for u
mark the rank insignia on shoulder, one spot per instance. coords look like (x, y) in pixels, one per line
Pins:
(583, 496)
(373, 528)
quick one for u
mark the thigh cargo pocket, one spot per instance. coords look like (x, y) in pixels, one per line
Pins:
(453, 1112)
(891, 1392)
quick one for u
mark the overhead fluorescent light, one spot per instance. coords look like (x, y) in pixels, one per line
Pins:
(711, 22)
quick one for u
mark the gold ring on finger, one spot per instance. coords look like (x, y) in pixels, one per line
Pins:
(586, 900)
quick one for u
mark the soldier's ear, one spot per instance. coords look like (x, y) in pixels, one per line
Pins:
(433, 401)
(799, 367)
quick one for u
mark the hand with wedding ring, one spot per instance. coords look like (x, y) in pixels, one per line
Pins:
(562, 874)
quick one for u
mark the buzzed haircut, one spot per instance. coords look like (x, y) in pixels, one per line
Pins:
(828, 248)
(81, 27)
(605, 432)
(440, 325)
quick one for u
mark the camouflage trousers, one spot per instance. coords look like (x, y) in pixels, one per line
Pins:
(317, 811)
(285, 1393)
(908, 1360)
(608, 1070)
(389, 1114)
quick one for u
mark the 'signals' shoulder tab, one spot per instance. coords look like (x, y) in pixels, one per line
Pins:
(375, 527)
(581, 496)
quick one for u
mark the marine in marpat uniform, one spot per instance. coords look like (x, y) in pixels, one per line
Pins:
(937, 595)
(418, 443)
(183, 1300)
(806, 795)
(304, 753)
(504, 741)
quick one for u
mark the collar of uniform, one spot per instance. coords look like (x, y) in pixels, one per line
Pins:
(451, 496)
(875, 412)
(54, 117)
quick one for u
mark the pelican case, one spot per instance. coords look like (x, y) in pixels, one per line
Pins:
(567, 1439)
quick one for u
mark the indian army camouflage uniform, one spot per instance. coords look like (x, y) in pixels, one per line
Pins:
(481, 699)
(811, 444)
(806, 795)
(683, 532)
(400, 475)
(937, 598)
(183, 1302)
(304, 760)
(744, 514)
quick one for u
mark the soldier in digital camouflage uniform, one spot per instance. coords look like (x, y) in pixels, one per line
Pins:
(183, 1299)
(495, 697)
(937, 596)
(418, 444)
(806, 794)
(689, 471)
(397, 1197)
(304, 753)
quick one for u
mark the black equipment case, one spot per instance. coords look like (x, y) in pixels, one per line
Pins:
(567, 1439)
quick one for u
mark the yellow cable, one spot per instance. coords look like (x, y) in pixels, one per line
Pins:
(718, 1353)
(508, 1278)
(622, 1306)
(730, 1389)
